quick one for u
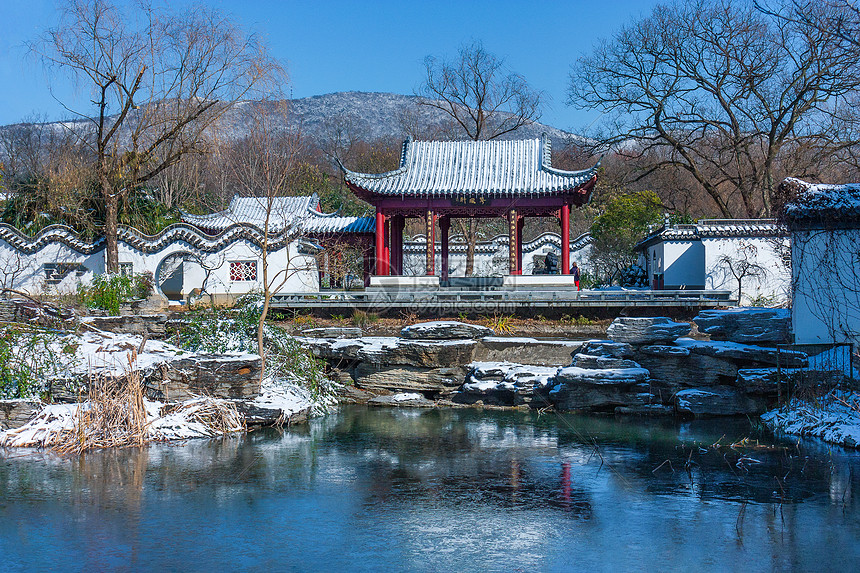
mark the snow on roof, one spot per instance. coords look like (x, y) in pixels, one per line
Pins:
(319, 223)
(820, 203)
(285, 213)
(713, 229)
(473, 168)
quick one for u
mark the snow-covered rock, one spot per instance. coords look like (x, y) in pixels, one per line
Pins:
(744, 353)
(504, 383)
(613, 376)
(584, 389)
(523, 379)
(764, 380)
(674, 367)
(227, 376)
(715, 401)
(747, 325)
(393, 378)
(589, 361)
(607, 348)
(402, 399)
(644, 330)
(646, 410)
(445, 330)
(384, 350)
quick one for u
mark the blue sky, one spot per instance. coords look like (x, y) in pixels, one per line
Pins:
(379, 46)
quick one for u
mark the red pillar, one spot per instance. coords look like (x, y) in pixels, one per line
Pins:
(430, 233)
(444, 225)
(565, 239)
(381, 260)
(512, 241)
(387, 244)
(396, 262)
(520, 224)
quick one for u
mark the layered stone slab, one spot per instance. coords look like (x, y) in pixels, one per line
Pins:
(646, 330)
(16, 413)
(444, 330)
(747, 325)
(716, 401)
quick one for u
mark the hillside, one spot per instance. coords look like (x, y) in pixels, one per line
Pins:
(367, 116)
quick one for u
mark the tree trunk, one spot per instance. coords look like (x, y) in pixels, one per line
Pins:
(111, 224)
(471, 242)
(267, 297)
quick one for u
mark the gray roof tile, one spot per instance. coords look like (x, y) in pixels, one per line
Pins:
(445, 168)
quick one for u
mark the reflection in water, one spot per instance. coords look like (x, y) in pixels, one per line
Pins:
(432, 489)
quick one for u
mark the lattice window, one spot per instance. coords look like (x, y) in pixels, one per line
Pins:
(126, 269)
(56, 272)
(243, 271)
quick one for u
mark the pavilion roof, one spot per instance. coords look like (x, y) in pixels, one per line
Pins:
(300, 213)
(472, 168)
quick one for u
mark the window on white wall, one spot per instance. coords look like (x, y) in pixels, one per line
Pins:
(243, 271)
(126, 269)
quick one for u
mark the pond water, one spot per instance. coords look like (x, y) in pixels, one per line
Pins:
(430, 490)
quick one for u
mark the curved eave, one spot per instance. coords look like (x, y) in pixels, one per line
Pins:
(362, 185)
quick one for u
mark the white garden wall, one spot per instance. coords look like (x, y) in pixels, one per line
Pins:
(772, 285)
(826, 280)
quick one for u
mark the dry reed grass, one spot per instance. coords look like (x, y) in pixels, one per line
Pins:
(116, 416)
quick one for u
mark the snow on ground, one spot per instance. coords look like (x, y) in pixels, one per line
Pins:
(286, 396)
(96, 352)
(108, 353)
(835, 418)
(183, 423)
(45, 428)
(93, 352)
(180, 422)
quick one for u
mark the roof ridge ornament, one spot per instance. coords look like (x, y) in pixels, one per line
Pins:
(546, 150)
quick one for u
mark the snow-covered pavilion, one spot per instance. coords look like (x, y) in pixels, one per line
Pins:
(440, 180)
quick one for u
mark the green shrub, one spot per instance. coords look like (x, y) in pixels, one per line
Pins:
(27, 358)
(109, 291)
(235, 330)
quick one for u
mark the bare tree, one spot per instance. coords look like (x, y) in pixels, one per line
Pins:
(484, 100)
(741, 265)
(262, 165)
(724, 92)
(479, 93)
(158, 79)
(12, 267)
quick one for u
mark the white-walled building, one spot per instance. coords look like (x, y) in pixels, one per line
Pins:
(824, 222)
(714, 254)
(217, 255)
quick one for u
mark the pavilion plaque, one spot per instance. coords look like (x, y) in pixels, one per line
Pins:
(466, 201)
